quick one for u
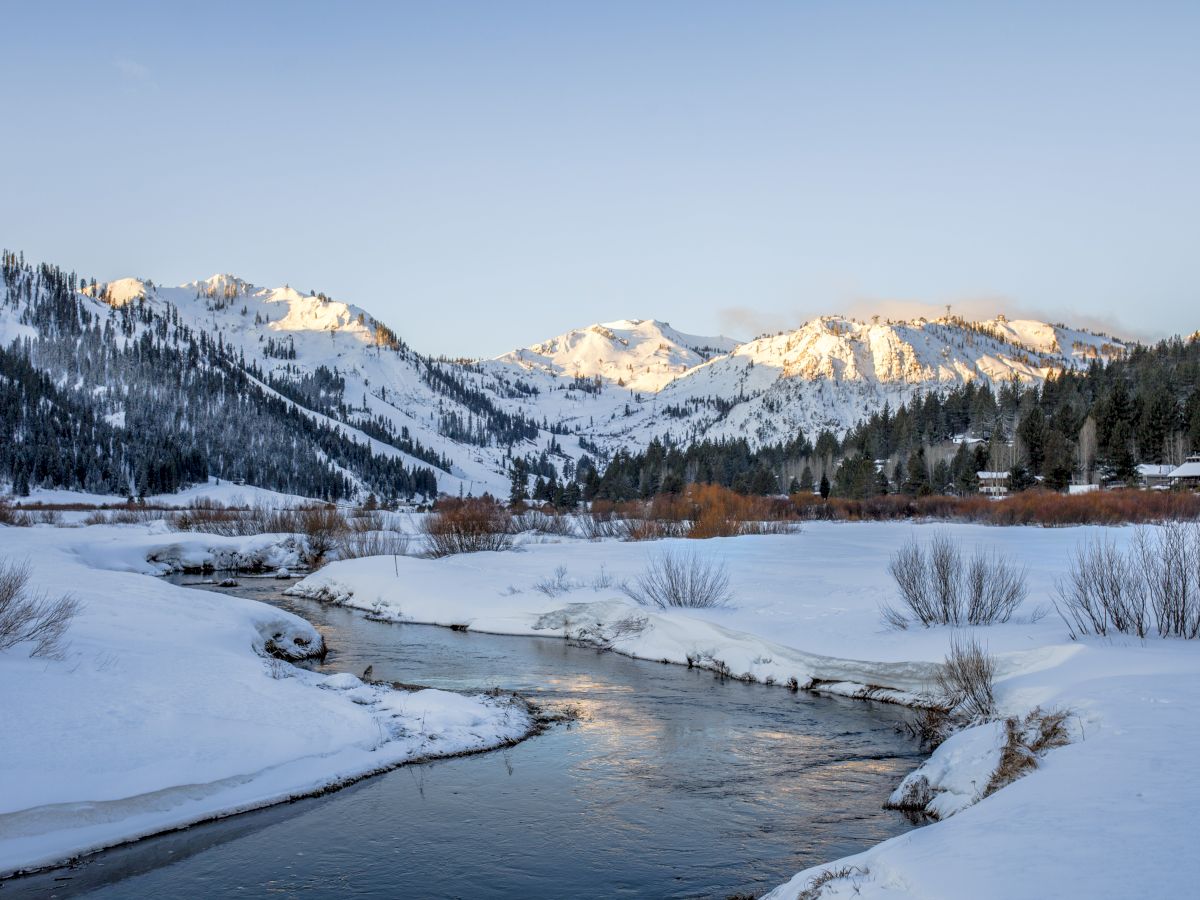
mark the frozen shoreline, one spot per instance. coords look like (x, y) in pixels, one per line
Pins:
(167, 711)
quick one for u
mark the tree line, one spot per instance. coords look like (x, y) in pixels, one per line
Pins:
(132, 401)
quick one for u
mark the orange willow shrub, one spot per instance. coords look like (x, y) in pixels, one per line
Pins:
(1036, 507)
(709, 510)
(467, 526)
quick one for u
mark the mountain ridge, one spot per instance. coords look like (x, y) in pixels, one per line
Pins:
(589, 391)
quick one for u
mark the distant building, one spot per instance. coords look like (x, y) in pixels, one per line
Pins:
(993, 484)
(1187, 476)
(1151, 475)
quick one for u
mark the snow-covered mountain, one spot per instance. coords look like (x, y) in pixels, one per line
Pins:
(826, 375)
(595, 389)
(642, 354)
(833, 371)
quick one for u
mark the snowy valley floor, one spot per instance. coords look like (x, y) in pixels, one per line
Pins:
(163, 713)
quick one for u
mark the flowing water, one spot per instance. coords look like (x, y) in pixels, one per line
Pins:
(669, 783)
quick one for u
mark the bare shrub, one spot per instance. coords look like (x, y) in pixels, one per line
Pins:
(944, 570)
(133, 515)
(538, 522)
(1106, 589)
(595, 527)
(938, 588)
(681, 580)
(1099, 593)
(556, 584)
(995, 587)
(213, 517)
(966, 680)
(358, 544)
(210, 517)
(322, 527)
(32, 617)
(893, 618)
(1167, 563)
(908, 568)
(364, 520)
(1034, 507)
(603, 580)
(467, 526)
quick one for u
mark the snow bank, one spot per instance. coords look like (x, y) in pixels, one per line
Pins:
(956, 776)
(152, 550)
(806, 606)
(225, 492)
(166, 710)
(1108, 816)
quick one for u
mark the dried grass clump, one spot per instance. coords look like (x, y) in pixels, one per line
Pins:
(684, 580)
(1026, 741)
(467, 526)
(815, 889)
(34, 618)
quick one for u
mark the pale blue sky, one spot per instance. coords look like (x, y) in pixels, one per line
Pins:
(487, 175)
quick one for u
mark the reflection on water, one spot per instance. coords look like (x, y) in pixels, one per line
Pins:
(670, 784)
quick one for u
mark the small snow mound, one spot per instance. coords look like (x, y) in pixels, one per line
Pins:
(342, 681)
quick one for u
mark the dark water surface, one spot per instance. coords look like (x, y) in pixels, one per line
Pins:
(670, 784)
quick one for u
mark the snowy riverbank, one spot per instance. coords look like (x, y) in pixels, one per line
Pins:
(1106, 816)
(165, 709)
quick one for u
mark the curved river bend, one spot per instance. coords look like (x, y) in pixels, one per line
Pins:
(671, 783)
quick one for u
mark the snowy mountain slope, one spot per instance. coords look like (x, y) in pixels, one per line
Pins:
(607, 386)
(642, 354)
(833, 371)
(291, 335)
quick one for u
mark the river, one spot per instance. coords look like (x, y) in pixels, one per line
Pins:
(668, 783)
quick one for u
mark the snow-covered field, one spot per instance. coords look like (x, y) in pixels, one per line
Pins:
(215, 491)
(1110, 815)
(164, 710)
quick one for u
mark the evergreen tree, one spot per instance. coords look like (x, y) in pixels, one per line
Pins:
(1032, 432)
(806, 479)
(518, 492)
(1020, 478)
